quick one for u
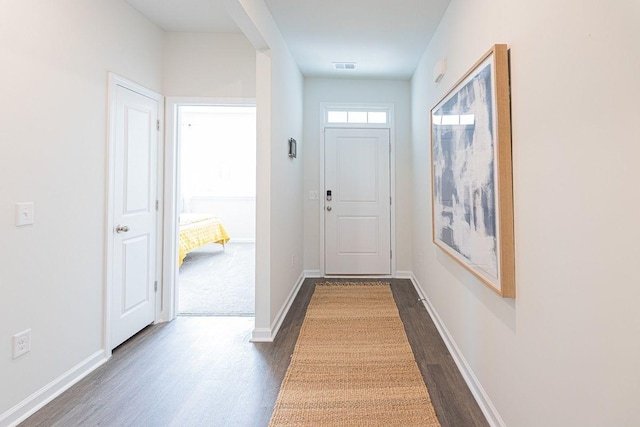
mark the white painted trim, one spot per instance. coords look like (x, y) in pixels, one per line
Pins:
(391, 125)
(404, 274)
(170, 208)
(269, 334)
(326, 106)
(392, 183)
(358, 276)
(114, 81)
(486, 405)
(321, 205)
(261, 335)
(55, 388)
(172, 174)
(243, 240)
(312, 274)
(197, 101)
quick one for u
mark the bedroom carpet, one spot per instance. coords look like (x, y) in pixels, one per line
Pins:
(214, 282)
(352, 364)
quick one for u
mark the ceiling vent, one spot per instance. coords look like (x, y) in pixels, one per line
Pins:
(344, 65)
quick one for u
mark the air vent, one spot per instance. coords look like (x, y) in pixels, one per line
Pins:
(344, 65)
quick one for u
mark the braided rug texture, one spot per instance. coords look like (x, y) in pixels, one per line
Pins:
(352, 364)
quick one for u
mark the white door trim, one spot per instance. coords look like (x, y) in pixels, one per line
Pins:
(115, 81)
(389, 108)
(169, 309)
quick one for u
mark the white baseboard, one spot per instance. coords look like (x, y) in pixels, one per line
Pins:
(488, 409)
(400, 274)
(243, 240)
(261, 335)
(269, 334)
(46, 394)
(312, 274)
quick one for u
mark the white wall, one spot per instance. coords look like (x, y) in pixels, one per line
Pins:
(286, 179)
(565, 351)
(279, 222)
(53, 124)
(218, 166)
(237, 214)
(352, 91)
(209, 65)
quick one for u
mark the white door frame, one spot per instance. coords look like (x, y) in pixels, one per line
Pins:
(115, 81)
(169, 309)
(325, 107)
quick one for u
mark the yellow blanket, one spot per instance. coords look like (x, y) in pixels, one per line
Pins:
(198, 230)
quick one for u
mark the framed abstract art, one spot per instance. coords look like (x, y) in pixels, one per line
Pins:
(472, 190)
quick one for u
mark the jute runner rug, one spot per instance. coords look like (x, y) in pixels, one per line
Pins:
(352, 364)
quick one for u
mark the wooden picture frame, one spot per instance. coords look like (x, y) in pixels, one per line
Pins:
(471, 175)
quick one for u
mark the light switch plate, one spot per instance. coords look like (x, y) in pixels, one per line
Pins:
(24, 213)
(313, 195)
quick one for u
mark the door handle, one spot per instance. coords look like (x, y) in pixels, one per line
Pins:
(329, 208)
(122, 228)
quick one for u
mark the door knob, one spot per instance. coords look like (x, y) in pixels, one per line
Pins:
(329, 208)
(122, 228)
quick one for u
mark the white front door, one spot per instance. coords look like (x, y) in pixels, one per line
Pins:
(357, 202)
(133, 298)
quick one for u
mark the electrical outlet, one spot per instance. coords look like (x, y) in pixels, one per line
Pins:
(21, 343)
(24, 213)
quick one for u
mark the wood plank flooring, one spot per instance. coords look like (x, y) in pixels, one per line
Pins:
(203, 371)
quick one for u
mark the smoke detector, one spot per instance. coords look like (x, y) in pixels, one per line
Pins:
(344, 65)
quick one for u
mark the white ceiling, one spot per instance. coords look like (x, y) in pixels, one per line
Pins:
(198, 16)
(385, 37)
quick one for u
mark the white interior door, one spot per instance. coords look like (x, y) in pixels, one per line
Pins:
(358, 214)
(133, 298)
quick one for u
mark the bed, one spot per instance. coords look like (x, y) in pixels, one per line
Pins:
(197, 230)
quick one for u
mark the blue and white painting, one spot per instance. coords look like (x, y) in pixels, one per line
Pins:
(464, 173)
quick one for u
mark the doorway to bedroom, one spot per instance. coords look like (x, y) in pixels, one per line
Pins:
(216, 210)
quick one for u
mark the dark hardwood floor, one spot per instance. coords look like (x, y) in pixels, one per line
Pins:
(203, 371)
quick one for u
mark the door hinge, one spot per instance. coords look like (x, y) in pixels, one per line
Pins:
(157, 204)
(389, 148)
(390, 201)
(390, 254)
(155, 286)
(157, 124)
